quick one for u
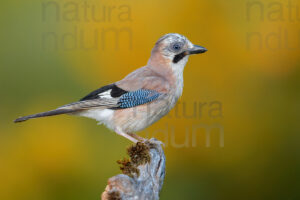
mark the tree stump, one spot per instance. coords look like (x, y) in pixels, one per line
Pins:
(143, 173)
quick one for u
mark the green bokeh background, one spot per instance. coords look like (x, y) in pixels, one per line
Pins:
(251, 68)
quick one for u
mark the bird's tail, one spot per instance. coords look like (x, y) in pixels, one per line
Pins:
(75, 107)
(45, 114)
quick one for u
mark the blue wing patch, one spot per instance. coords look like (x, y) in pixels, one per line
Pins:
(138, 97)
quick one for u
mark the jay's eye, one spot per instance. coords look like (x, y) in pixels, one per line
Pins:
(176, 46)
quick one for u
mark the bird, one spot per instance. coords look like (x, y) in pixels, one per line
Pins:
(141, 98)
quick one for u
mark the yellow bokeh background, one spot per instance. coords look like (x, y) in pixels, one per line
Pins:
(251, 69)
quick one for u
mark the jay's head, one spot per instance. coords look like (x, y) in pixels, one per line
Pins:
(175, 49)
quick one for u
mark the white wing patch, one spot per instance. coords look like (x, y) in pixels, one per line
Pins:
(105, 94)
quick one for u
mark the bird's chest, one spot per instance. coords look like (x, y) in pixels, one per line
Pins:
(140, 117)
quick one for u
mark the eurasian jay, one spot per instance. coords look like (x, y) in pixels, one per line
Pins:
(142, 97)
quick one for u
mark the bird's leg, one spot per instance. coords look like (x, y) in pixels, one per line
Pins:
(143, 140)
(129, 137)
(139, 138)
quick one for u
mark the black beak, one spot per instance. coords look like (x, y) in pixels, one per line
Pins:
(196, 49)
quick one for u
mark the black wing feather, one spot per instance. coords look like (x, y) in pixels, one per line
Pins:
(115, 92)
